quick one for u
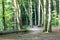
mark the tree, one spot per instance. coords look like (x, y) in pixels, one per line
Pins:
(30, 12)
(42, 12)
(15, 14)
(59, 15)
(19, 17)
(35, 13)
(38, 12)
(49, 17)
(4, 24)
(45, 19)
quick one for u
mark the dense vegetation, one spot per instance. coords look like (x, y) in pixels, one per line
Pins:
(23, 14)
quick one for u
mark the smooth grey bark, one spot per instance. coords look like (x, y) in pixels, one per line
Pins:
(49, 17)
(35, 13)
(19, 17)
(30, 12)
(45, 19)
(42, 13)
(38, 12)
(59, 15)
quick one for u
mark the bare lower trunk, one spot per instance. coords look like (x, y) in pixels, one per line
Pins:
(19, 17)
(38, 12)
(35, 13)
(49, 17)
(15, 14)
(59, 15)
(45, 21)
(4, 24)
(42, 13)
(30, 13)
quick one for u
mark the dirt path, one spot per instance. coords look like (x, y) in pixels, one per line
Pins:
(32, 35)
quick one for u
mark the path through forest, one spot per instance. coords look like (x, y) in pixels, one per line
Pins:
(32, 35)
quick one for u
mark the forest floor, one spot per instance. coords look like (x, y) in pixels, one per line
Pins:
(32, 35)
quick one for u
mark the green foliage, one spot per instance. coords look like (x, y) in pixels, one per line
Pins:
(0, 1)
(26, 27)
(0, 11)
(9, 29)
(1, 25)
(8, 7)
(26, 3)
(1, 16)
(54, 19)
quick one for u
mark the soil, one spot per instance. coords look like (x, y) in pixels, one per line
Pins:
(32, 35)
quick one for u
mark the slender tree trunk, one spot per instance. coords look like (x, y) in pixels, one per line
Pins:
(19, 17)
(45, 19)
(35, 13)
(59, 15)
(4, 24)
(49, 17)
(38, 12)
(42, 13)
(15, 14)
(30, 12)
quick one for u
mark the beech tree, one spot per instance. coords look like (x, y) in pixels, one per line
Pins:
(30, 12)
(38, 12)
(45, 19)
(3, 12)
(49, 17)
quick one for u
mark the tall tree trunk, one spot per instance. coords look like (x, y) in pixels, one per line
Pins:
(49, 17)
(30, 12)
(35, 13)
(42, 13)
(59, 15)
(18, 14)
(38, 12)
(19, 17)
(4, 24)
(45, 19)
(15, 14)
